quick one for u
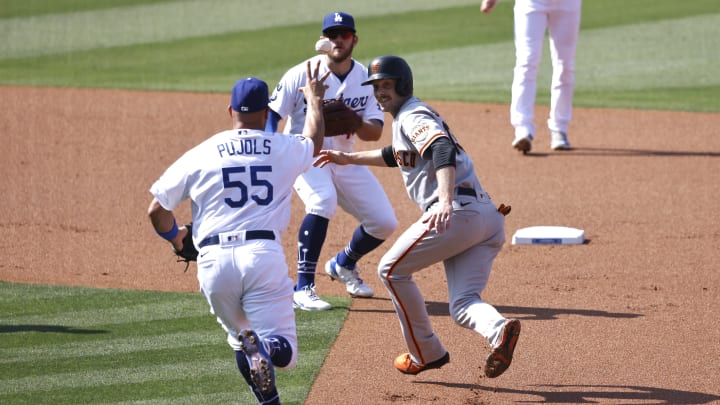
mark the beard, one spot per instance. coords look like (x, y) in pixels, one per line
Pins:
(341, 55)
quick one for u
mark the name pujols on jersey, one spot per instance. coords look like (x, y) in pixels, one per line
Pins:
(245, 147)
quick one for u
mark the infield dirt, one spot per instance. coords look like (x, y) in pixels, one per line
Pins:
(630, 317)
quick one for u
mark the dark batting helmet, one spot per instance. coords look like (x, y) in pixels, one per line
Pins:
(391, 67)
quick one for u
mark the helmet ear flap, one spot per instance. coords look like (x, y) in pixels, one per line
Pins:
(403, 87)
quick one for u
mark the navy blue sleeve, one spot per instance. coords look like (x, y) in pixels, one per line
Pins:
(273, 121)
(388, 156)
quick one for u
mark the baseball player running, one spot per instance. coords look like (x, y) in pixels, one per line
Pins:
(240, 184)
(460, 225)
(354, 188)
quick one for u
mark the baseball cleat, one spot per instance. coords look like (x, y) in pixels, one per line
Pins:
(307, 299)
(405, 364)
(262, 372)
(501, 356)
(558, 141)
(353, 283)
(523, 144)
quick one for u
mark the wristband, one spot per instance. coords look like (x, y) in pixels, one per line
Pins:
(171, 234)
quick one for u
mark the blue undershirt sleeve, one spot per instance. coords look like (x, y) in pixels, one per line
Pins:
(273, 121)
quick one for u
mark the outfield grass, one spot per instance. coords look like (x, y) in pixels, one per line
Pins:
(93, 346)
(658, 54)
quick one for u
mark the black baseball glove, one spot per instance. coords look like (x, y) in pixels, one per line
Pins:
(188, 253)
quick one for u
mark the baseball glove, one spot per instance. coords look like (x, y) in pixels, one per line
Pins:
(188, 253)
(504, 209)
(339, 118)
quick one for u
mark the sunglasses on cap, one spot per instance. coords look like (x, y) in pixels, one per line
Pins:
(334, 34)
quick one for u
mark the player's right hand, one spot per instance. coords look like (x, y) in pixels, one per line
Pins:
(332, 156)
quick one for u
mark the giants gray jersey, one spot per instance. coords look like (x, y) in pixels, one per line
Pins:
(289, 102)
(416, 126)
(237, 180)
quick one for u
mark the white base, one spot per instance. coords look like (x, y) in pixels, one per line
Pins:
(548, 235)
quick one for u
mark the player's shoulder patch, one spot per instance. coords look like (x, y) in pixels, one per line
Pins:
(419, 132)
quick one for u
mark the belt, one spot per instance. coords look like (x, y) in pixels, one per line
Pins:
(249, 235)
(466, 191)
(470, 192)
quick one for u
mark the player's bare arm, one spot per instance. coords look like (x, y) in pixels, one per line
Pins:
(364, 158)
(314, 91)
(164, 223)
(370, 130)
(439, 216)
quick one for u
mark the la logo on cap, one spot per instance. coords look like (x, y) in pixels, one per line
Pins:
(338, 18)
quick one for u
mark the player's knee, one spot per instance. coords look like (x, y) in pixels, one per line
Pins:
(381, 228)
(282, 353)
(383, 271)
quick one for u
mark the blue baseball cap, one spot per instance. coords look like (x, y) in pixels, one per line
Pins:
(249, 95)
(338, 19)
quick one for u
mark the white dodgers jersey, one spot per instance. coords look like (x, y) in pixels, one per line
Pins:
(237, 180)
(289, 102)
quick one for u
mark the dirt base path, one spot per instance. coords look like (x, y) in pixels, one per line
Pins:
(630, 317)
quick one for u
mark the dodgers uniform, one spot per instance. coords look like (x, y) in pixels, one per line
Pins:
(354, 188)
(561, 18)
(240, 185)
(467, 249)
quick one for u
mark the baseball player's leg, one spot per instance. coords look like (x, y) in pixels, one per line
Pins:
(416, 249)
(230, 280)
(361, 195)
(317, 191)
(423, 345)
(529, 29)
(242, 297)
(563, 27)
(468, 272)
(267, 304)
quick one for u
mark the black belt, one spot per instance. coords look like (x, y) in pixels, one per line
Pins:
(466, 191)
(459, 191)
(249, 235)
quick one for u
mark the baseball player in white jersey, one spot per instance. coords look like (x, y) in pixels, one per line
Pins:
(561, 19)
(354, 188)
(460, 225)
(240, 184)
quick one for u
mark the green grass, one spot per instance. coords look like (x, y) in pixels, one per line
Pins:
(84, 345)
(632, 54)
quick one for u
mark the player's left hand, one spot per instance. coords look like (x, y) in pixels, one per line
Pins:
(438, 218)
(183, 245)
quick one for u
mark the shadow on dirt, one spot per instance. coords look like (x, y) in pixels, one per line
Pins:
(537, 314)
(579, 394)
(622, 152)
